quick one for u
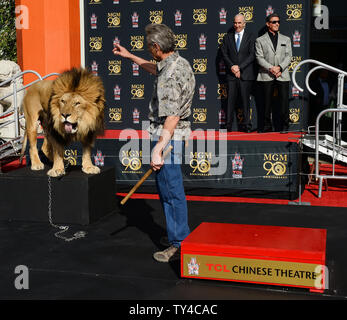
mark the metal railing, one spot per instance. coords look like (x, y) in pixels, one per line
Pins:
(11, 147)
(336, 148)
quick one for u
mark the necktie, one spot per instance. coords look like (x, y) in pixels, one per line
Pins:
(238, 42)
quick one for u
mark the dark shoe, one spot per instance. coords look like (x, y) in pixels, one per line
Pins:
(285, 130)
(265, 130)
(169, 254)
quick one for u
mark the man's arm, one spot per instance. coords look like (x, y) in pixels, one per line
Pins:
(168, 129)
(226, 56)
(145, 64)
(251, 55)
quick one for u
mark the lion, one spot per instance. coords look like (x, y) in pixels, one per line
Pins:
(70, 108)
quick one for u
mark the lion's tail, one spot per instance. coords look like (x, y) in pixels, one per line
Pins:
(24, 146)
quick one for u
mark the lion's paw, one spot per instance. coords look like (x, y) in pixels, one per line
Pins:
(91, 170)
(37, 166)
(56, 172)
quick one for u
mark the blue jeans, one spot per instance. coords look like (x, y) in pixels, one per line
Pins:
(169, 183)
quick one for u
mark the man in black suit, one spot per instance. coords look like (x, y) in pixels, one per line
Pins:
(238, 54)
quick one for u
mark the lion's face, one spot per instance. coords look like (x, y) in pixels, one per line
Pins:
(72, 108)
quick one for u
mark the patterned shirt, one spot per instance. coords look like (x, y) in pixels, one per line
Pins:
(173, 93)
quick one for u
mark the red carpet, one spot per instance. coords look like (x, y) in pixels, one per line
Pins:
(209, 135)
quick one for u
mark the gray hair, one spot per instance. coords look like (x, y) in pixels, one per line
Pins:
(162, 35)
(240, 15)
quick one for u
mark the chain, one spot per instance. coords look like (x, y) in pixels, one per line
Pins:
(77, 235)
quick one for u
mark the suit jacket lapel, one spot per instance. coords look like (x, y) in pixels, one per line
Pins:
(244, 39)
(232, 41)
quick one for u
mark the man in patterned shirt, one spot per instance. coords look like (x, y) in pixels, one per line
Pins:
(170, 108)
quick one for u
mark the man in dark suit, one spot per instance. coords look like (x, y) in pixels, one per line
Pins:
(238, 54)
(273, 53)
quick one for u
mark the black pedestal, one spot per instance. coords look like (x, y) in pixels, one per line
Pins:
(77, 198)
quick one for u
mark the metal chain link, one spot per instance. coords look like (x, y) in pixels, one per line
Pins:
(77, 235)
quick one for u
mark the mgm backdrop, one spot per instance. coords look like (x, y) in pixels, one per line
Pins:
(199, 27)
(265, 166)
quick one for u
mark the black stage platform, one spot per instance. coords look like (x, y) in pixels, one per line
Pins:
(115, 261)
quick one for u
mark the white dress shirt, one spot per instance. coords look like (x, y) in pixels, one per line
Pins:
(241, 35)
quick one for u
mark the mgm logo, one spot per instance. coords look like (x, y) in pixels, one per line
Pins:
(220, 37)
(181, 41)
(200, 162)
(136, 43)
(137, 91)
(200, 16)
(156, 17)
(71, 157)
(199, 115)
(95, 44)
(222, 91)
(131, 161)
(294, 12)
(200, 66)
(294, 62)
(294, 115)
(115, 67)
(275, 165)
(247, 12)
(115, 115)
(113, 19)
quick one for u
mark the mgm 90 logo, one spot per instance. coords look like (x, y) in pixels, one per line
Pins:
(200, 66)
(137, 91)
(220, 37)
(115, 115)
(95, 44)
(136, 43)
(200, 16)
(181, 41)
(115, 67)
(113, 19)
(275, 165)
(71, 157)
(295, 60)
(200, 163)
(294, 115)
(294, 11)
(131, 161)
(199, 115)
(156, 17)
(247, 12)
(222, 91)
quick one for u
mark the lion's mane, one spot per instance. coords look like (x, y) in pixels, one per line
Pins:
(91, 89)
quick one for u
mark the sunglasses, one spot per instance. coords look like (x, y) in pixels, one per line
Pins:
(274, 22)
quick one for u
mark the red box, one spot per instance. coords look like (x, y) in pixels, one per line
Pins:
(284, 256)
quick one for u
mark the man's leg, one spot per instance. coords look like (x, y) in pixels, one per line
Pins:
(245, 90)
(283, 96)
(268, 92)
(232, 98)
(170, 187)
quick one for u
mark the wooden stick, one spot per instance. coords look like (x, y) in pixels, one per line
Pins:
(145, 176)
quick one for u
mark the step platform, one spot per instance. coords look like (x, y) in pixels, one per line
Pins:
(76, 198)
(284, 256)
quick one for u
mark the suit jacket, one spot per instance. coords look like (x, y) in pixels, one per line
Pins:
(267, 57)
(245, 58)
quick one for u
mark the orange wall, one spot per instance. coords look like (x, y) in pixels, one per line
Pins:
(52, 41)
